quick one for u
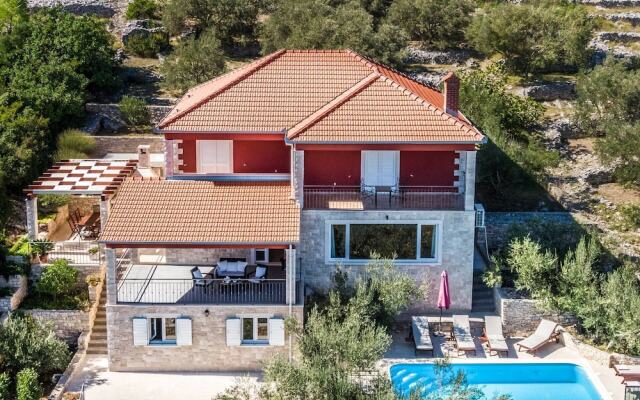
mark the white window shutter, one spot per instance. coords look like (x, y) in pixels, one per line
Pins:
(183, 331)
(234, 337)
(276, 332)
(140, 332)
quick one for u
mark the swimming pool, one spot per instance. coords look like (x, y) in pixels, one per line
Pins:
(523, 381)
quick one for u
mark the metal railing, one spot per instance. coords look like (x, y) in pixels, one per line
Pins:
(391, 198)
(76, 252)
(202, 291)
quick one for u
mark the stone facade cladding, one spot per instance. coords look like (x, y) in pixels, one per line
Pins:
(457, 253)
(209, 351)
(178, 256)
(67, 324)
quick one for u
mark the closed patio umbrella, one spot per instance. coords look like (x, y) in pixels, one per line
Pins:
(444, 300)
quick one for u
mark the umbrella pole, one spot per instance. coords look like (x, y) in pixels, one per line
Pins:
(440, 324)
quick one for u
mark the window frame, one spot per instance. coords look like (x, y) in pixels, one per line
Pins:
(266, 255)
(418, 223)
(254, 341)
(164, 341)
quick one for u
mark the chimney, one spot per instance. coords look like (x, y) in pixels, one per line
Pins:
(143, 156)
(451, 93)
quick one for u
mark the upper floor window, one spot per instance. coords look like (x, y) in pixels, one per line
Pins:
(404, 241)
(380, 168)
(215, 156)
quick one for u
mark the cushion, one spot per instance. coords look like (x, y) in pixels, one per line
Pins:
(197, 274)
(222, 265)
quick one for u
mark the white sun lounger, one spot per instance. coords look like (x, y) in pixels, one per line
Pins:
(462, 334)
(493, 334)
(545, 332)
(421, 334)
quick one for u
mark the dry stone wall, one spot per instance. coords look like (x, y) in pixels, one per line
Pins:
(67, 324)
(499, 223)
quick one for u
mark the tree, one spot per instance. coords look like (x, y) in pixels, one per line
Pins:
(533, 37)
(607, 106)
(57, 279)
(27, 386)
(536, 269)
(621, 305)
(194, 61)
(12, 12)
(134, 111)
(26, 343)
(317, 24)
(142, 9)
(5, 384)
(436, 23)
(234, 22)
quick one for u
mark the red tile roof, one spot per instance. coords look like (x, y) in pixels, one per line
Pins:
(156, 211)
(295, 91)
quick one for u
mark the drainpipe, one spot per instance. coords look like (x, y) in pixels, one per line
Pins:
(291, 261)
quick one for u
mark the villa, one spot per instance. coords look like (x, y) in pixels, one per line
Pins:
(273, 174)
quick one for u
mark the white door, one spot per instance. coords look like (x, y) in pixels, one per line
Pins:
(215, 156)
(380, 168)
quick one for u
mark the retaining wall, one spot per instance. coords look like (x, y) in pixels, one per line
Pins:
(67, 324)
(499, 223)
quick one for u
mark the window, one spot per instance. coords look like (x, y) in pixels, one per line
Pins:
(261, 255)
(359, 241)
(255, 330)
(162, 330)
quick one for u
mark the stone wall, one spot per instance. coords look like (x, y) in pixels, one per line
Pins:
(67, 324)
(498, 223)
(208, 352)
(127, 144)
(207, 257)
(13, 282)
(84, 205)
(520, 317)
(112, 111)
(83, 271)
(456, 248)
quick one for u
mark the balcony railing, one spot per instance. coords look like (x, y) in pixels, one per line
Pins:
(76, 252)
(383, 198)
(202, 291)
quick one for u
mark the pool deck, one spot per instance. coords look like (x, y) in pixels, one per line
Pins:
(402, 351)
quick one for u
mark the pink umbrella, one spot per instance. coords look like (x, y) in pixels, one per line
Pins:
(444, 300)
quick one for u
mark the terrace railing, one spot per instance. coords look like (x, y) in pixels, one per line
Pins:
(394, 198)
(202, 291)
(75, 252)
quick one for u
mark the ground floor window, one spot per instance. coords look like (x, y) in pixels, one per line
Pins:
(162, 330)
(255, 330)
(404, 241)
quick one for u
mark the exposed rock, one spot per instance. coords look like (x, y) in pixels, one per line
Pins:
(566, 128)
(631, 17)
(551, 91)
(120, 56)
(428, 78)
(101, 8)
(612, 3)
(140, 27)
(454, 56)
(625, 37)
(601, 50)
(552, 139)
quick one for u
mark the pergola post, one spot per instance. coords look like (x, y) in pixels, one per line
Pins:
(291, 276)
(470, 181)
(110, 259)
(105, 207)
(32, 216)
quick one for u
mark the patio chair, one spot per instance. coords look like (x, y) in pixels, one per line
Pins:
(627, 372)
(421, 335)
(546, 332)
(462, 334)
(259, 275)
(493, 335)
(198, 278)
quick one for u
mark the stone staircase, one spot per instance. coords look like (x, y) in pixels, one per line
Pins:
(98, 339)
(482, 301)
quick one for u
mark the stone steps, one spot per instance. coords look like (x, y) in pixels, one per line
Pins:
(98, 341)
(482, 300)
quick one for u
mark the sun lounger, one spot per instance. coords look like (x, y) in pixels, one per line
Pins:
(627, 372)
(493, 334)
(545, 332)
(462, 334)
(421, 334)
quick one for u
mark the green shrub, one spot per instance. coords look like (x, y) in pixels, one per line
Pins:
(436, 23)
(57, 279)
(533, 37)
(134, 111)
(621, 307)
(5, 384)
(536, 269)
(148, 44)
(27, 385)
(142, 9)
(74, 144)
(49, 203)
(40, 247)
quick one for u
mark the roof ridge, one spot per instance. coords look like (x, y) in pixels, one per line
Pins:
(332, 105)
(366, 61)
(456, 121)
(258, 64)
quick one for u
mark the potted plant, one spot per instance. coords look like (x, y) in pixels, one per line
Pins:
(92, 282)
(40, 248)
(93, 251)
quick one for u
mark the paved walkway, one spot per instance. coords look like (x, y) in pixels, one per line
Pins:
(403, 351)
(100, 384)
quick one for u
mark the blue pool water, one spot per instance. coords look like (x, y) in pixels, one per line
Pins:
(523, 381)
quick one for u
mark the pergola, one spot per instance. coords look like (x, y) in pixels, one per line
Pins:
(79, 178)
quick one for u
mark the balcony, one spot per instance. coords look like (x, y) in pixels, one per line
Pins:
(332, 197)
